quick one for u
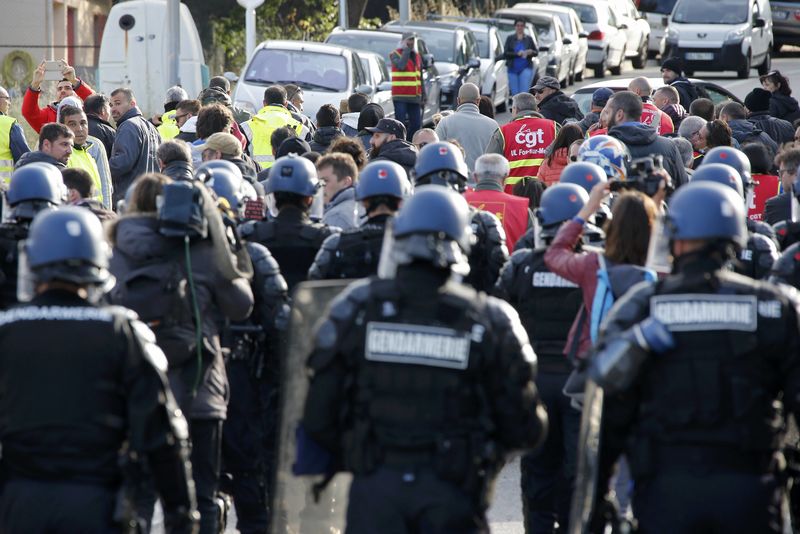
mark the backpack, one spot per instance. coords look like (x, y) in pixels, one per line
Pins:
(613, 281)
(160, 293)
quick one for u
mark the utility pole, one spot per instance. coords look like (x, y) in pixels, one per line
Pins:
(48, 17)
(405, 10)
(250, 23)
(343, 13)
(174, 40)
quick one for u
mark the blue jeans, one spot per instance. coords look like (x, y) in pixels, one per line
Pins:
(520, 82)
(410, 114)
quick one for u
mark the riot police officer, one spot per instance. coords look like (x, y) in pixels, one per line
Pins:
(760, 252)
(291, 236)
(440, 381)
(443, 164)
(252, 366)
(381, 187)
(33, 188)
(547, 305)
(697, 370)
(69, 407)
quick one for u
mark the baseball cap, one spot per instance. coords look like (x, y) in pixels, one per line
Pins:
(223, 142)
(601, 96)
(546, 81)
(390, 126)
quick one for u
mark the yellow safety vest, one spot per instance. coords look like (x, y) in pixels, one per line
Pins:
(269, 119)
(6, 158)
(81, 159)
(168, 128)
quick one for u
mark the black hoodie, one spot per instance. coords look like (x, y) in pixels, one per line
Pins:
(559, 107)
(783, 107)
(400, 151)
(323, 138)
(37, 157)
(643, 140)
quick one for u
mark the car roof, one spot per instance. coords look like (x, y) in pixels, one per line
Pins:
(322, 48)
(582, 2)
(372, 33)
(434, 25)
(621, 84)
(553, 8)
(525, 12)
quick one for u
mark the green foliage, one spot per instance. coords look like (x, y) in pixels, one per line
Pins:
(310, 20)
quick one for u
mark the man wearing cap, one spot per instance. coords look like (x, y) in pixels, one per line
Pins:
(523, 140)
(407, 89)
(165, 124)
(757, 104)
(599, 99)
(226, 147)
(651, 115)
(672, 74)
(388, 142)
(472, 130)
(553, 103)
(272, 116)
(12, 139)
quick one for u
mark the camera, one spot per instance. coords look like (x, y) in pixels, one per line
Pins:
(642, 176)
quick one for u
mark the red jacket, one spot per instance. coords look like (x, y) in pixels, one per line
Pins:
(549, 173)
(767, 186)
(649, 114)
(38, 117)
(510, 209)
(579, 268)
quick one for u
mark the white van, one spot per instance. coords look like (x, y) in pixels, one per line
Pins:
(133, 53)
(717, 35)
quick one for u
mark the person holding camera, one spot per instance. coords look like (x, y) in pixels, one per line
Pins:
(70, 85)
(624, 111)
(407, 89)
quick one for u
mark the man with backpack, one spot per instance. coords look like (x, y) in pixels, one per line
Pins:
(175, 269)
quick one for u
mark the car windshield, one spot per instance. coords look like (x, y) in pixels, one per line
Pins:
(483, 42)
(710, 12)
(440, 43)
(379, 45)
(587, 13)
(313, 71)
(545, 32)
(657, 6)
(584, 101)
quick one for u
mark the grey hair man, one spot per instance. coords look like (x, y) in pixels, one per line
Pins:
(467, 126)
(686, 151)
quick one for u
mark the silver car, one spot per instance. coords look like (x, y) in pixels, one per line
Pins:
(578, 48)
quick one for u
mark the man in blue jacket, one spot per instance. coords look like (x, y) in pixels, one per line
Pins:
(134, 150)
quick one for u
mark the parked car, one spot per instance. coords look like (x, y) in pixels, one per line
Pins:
(607, 37)
(382, 43)
(657, 13)
(637, 30)
(719, 35)
(455, 51)
(327, 73)
(494, 76)
(550, 34)
(578, 47)
(505, 27)
(715, 92)
(785, 23)
(378, 77)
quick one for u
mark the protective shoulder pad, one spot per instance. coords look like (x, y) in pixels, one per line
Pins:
(521, 257)
(122, 311)
(347, 303)
(762, 243)
(331, 242)
(151, 352)
(247, 229)
(263, 261)
(762, 228)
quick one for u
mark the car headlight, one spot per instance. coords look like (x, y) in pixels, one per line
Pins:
(735, 35)
(671, 34)
(447, 81)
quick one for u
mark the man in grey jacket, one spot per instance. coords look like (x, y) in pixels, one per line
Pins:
(134, 150)
(472, 130)
(338, 174)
